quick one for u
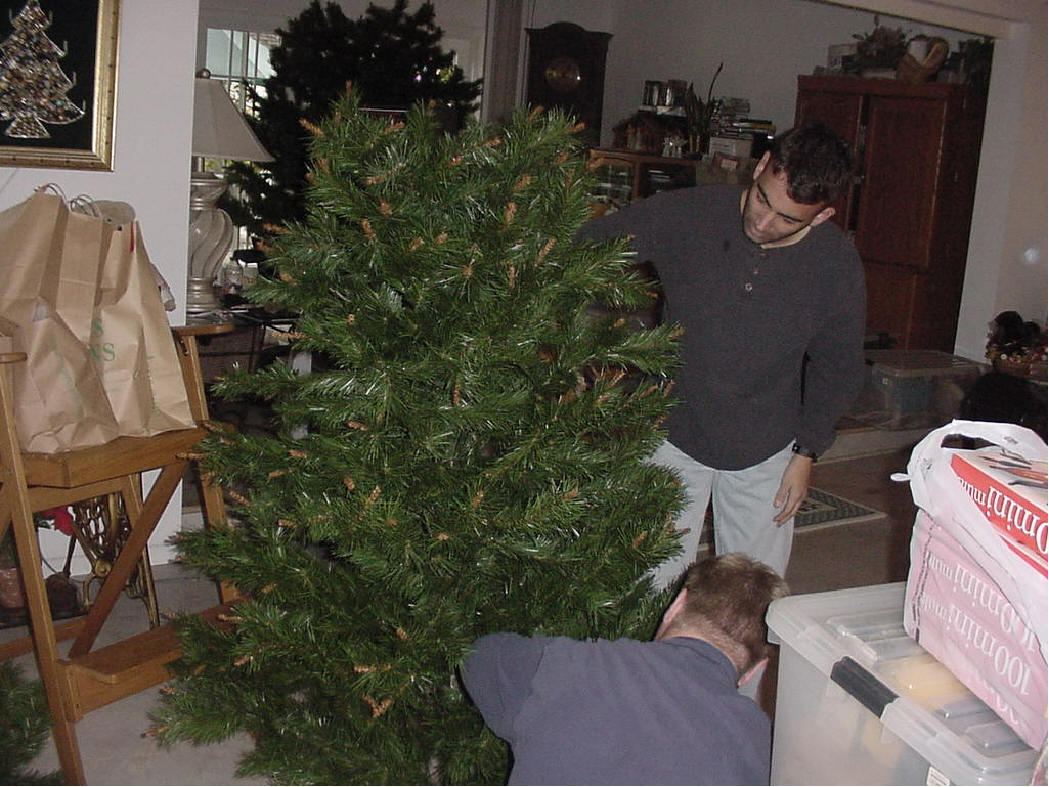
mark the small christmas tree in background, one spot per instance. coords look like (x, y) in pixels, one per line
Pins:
(32, 86)
(392, 58)
(473, 462)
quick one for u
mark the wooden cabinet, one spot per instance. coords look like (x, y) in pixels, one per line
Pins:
(625, 176)
(910, 207)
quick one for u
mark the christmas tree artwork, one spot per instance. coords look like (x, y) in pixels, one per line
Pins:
(33, 88)
(470, 458)
(392, 57)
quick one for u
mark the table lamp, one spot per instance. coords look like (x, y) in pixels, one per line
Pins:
(221, 132)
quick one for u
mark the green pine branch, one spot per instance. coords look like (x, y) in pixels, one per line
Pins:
(24, 728)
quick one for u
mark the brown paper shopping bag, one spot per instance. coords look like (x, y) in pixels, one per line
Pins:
(54, 254)
(50, 265)
(59, 399)
(132, 343)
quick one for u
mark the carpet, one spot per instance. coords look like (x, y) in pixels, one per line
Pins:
(820, 509)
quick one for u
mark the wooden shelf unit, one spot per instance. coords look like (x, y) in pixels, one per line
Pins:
(627, 175)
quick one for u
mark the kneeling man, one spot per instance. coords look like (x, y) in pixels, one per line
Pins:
(629, 712)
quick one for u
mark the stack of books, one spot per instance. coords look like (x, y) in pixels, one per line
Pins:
(761, 131)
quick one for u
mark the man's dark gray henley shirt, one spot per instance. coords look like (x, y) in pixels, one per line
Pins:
(751, 316)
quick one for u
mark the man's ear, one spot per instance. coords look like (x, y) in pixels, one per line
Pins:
(822, 216)
(762, 163)
(676, 605)
(752, 673)
(672, 612)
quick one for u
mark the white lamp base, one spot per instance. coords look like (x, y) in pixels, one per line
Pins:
(210, 241)
(200, 295)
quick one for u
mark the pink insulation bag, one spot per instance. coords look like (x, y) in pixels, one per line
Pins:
(958, 613)
(977, 594)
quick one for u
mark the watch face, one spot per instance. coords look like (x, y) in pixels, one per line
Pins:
(562, 74)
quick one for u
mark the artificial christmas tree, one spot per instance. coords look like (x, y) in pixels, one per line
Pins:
(393, 59)
(24, 728)
(472, 462)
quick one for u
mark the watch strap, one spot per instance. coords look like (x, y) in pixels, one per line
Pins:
(801, 450)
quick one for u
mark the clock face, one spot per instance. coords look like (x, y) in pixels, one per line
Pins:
(562, 74)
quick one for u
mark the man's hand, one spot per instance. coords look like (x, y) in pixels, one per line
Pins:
(793, 488)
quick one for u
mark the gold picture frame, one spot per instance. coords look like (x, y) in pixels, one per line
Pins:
(86, 33)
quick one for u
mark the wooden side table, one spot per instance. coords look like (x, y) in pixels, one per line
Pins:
(242, 346)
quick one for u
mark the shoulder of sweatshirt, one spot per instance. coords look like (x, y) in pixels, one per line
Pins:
(694, 204)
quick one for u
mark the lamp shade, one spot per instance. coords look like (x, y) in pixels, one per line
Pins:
(219, 129)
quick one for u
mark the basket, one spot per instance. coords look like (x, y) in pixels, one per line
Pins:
(914, 72)
(1020, 367)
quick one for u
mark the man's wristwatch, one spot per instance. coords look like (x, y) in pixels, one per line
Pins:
(801, 450)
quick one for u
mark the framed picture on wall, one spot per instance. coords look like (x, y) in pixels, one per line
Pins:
(58, 79)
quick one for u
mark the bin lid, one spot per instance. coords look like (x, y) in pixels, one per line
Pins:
(919, 363)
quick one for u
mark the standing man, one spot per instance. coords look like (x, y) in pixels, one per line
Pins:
(771, 297)
(630, 712)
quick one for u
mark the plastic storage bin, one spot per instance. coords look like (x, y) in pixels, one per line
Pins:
(927, 382)
(859, 702)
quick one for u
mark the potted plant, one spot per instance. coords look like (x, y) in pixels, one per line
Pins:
(879, 51)
(699, 115)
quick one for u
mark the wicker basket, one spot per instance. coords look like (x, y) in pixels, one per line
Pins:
(1020, 367)
(914, 72)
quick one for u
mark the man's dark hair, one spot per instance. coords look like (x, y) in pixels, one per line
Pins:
(732, 593)
(818, 163)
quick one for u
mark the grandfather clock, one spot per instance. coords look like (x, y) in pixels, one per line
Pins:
(566, 69)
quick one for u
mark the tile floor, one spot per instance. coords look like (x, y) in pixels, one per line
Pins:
(113, 744)
(111, 738)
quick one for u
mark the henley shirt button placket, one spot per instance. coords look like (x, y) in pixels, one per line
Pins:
(749, 286)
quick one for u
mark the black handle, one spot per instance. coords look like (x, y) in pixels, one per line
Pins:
(860, 683)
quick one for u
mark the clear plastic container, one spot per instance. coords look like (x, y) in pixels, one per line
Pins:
(860, 702)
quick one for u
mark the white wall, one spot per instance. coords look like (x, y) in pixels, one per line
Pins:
(588, 14)
(765, 44)
(151, 160)
(1007, 247)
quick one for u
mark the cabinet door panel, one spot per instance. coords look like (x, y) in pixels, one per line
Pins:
(903, 150)
(843, 113)
(840, 112)
(890, 300)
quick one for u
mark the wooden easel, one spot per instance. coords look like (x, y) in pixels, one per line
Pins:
(87, 679)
